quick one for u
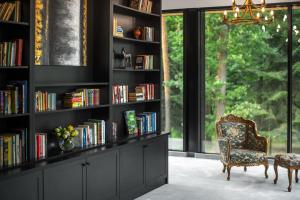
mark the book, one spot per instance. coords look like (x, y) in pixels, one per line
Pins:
(130, 121)
(11, 53)
(40, 146)
(10, 11)
(120, 94)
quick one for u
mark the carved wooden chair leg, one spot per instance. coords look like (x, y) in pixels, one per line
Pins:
(245, 169)
(290, 174)
(296, 176)
(228, 172)
(224, 168)
(276, 172)
(266, 170)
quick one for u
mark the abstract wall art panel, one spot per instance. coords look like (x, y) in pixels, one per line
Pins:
(61, 32)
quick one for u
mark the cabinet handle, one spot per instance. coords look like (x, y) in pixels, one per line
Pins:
(83, 164)
(145, 146)
(87, 163)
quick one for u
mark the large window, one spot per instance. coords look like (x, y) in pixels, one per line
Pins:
(246, 69)
(172, 101)
(296, 80)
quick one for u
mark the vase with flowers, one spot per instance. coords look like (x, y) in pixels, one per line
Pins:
(65, 137)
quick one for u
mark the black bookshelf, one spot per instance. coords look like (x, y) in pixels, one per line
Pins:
(100, 72)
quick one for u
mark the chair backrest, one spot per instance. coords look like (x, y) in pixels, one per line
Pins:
(240, 131)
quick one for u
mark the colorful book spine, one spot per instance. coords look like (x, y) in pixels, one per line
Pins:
(40, 146)
(120, 94)
(45, 101)
(13, 148)
(11, 53)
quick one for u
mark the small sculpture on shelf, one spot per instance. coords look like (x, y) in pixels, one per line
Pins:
(65, 137)
(126, 59)
(137, 33)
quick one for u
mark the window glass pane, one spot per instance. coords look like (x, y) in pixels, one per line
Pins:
(296, 80)
(172, 101)
(246, 75)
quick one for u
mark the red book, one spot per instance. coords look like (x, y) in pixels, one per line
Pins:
(38, 146)
(19, 52)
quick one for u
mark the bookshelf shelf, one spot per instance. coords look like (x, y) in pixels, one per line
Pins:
(126, 39)
(71, 109)
(14, 67)
(44, 85)
(5, 116)
(118, 8)
(137, 102)
(14, 23)
(136, 70)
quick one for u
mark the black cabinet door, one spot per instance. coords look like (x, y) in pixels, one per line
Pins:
(156, 155)
(65, 181)
(102, 171)
(131, 172)
(26, 187)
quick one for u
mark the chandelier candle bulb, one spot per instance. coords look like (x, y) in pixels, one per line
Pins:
(248, 13)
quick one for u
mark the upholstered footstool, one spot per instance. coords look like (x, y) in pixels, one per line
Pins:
(289, 161)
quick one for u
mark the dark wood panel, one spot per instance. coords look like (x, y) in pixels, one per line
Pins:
(65, 181)
(102, 176)
(131, 172)
(27, 187)
(155, 161)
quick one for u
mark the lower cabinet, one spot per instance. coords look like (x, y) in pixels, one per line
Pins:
(102, 176)
(131, 172)
(124, 173)
(156, 163)
(65, 181)
(25, 187)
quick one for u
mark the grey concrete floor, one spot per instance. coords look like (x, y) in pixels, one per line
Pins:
(202, 179)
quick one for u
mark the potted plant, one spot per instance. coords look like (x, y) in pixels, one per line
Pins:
(65, 137)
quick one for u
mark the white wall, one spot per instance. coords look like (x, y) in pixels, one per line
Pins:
(178, 4)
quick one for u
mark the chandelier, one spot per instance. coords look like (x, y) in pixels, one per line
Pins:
(249, 13)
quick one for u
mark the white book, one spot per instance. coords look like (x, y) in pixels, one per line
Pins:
(78, 140)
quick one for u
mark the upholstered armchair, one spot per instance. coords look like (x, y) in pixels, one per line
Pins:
(240, 145)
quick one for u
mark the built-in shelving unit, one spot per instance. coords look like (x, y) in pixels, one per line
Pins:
(100, 72)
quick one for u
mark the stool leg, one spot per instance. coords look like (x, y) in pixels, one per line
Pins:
(290, 174)
(245, 169)
(296, 176)
(276, 171)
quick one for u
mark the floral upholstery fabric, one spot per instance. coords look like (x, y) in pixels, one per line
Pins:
(244, 156)
(252, 142)
(236, 132)
(224, 148)
(288, 160)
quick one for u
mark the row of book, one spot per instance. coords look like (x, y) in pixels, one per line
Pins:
(140, 124)
(45, 101)
(82, 98)
(13, 148)
(92, 132)
(146, 123)
(10, 11)
(120, 94)
(40, 146)
(144, 92)
(13, 99)
(148, 34)
(142, 5)
(11, 53)
(144, 62)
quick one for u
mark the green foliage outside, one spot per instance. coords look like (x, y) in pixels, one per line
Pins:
(255, 60)
(174, 30)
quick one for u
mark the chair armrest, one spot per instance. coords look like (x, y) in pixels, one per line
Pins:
(225, 148)
(261, 144)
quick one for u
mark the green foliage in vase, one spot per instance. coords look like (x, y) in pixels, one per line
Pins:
(66, 133)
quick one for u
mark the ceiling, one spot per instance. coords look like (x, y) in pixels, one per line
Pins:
(180, 4)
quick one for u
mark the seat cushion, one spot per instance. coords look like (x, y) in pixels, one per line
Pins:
(245, 156)
(236, 132)
(288, 160)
